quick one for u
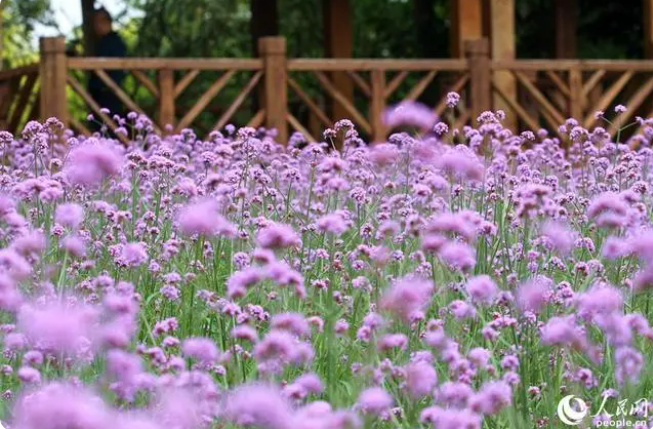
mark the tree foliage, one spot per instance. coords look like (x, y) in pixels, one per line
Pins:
(192, 28)
(18, 20)
(382, 28)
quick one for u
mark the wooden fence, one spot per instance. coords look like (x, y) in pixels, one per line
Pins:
(303, 94)
(19, 96)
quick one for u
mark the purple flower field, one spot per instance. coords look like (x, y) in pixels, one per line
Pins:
(448, 278)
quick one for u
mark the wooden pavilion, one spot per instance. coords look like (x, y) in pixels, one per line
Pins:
(469, 20)
(309, 94)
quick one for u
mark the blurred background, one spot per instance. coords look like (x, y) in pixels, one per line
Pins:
(380, 28)
(532, 94)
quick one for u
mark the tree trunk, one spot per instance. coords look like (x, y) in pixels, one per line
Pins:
(88, 7)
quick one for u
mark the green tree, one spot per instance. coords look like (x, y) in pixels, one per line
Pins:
(18, 18)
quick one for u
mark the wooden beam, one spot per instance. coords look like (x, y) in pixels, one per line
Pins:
(264, 21)
(477, 53)
(566, 22)
(466, 24)
(275, 85)
(338, 44)
(502, 40)
(53, 78)
(213, 64)
(166, 98)
(648, 28)
(576, 99)
(377, 106)
(360, 65)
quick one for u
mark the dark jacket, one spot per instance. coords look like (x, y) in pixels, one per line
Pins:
(110, 45)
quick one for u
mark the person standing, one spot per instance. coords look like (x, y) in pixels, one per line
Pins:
(108, 44)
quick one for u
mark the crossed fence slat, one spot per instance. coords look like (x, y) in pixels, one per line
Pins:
(19, 97)
(343, 100)
(122, 96)
(592, 82)
(360, 82)
(238, 101)
(633, 104)
(146, 82)
(609, 96)
(551, 111)
(185, 81)
(26, 92)
(97, 110)
(560, 84)
(519, 110)
(395, 82)
(257, 119)
(457, 87)
(296, 124)
(314, 108)
(205, 99)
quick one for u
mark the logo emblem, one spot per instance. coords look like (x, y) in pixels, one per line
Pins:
(569, 414)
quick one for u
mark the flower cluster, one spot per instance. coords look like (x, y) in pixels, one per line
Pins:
(464, 277)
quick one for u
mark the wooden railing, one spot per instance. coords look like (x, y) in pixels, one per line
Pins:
(378, 83)
(19, 97)
(549, 92)
(308, 95)
(166, 89)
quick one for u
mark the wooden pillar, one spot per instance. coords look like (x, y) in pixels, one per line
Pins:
(338, 44)
(566, 22)
(576, 93)
(377, 105)
(264, 21)
(565, 17)
(273, 52)
(466, 24)
(425, 32)
(502, 39)
(478, 58)
(648, 28)
(53, 69)
(166, 98)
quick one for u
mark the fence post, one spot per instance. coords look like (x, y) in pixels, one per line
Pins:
(377, 106)
(275, 84)
(576, 93)
(166, 98)
(53, 69)
(477, 53)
